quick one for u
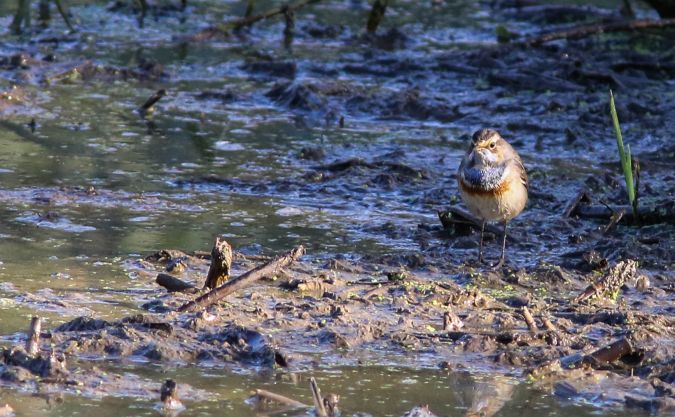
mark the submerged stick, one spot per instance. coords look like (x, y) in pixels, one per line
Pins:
(151, 101)
(243, 281)
(64, 14)
(221, 261)
(250, 20)
(592, 29)
(278, 398)
(173, 284)
(33, 342)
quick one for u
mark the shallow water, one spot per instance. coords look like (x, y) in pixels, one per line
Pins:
(368, 390)
(61, 243)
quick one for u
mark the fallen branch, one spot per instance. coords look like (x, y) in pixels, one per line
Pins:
(611, 283)
(662, 213)
(610, 353)
(592, 29)
(242, 281)
(597, 359)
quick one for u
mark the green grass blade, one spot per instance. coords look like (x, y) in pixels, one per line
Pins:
(624, 156)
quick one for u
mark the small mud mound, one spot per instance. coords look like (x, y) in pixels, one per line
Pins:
(189, 340)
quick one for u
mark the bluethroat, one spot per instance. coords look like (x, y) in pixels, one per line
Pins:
(492, 182)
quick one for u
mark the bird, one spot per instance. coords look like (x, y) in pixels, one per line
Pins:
(492, 182)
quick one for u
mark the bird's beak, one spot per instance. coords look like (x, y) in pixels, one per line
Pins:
(483, 157)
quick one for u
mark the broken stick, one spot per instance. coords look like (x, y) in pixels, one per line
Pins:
(242, 281)
(608, 354)
(33, 342)
(221, 262)
(549, 325)
(529, 320)
(318, 400)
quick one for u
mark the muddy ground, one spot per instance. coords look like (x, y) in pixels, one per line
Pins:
(426, 304)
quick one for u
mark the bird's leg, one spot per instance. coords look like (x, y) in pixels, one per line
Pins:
(480, 246)
(501, 258)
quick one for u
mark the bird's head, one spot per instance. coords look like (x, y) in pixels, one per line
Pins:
(488, 149)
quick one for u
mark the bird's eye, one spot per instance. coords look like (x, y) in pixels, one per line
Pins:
(493, 145)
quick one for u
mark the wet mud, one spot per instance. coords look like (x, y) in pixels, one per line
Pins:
(583, 307)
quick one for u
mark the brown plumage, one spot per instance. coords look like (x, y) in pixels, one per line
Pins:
(492, 182)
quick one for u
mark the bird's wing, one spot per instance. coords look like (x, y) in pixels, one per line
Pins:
(523, 173)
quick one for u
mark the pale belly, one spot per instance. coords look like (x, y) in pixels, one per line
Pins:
(493, 207)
